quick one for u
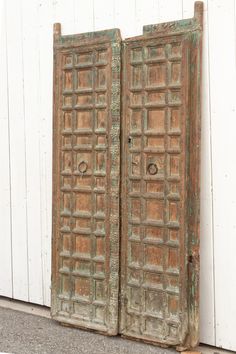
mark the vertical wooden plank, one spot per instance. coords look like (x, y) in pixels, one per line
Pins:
(147, 12)
(104, 14)
(31, 99)
(207, 296)
(45, 96)
(83, 16)
(222, 56)
(5, 196)
(17, 148)
(170, 10)
(64, 12)
(125, 15)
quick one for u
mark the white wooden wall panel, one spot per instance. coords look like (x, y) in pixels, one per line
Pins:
(26, 142)
(32, 147)
(222, 71)
(5, 190)
(16, 107)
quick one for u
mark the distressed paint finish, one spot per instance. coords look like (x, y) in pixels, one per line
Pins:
(86, 162)
(160, 190)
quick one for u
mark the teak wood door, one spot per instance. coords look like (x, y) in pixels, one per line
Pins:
(140, 279)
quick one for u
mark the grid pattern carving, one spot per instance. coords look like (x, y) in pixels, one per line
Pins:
(87, 266)
(155, 190)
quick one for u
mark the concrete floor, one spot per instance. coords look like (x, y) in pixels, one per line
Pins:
(25, 333)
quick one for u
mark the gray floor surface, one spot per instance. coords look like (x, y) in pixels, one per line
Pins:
(23, 333)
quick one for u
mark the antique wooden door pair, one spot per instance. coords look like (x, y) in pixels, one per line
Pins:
(126, 182)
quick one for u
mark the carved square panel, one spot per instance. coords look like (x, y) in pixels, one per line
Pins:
(174, 165)
(173, 259)
(83, 120)
(153, 326)
(173, 236)
(134, 253)
(154, 257)
(154, 303)
(100, 227)
(136, 99)
(66, 142)
(156, 75)
(67, 101)
(67, 122)
(154, 234)
(156, 142)
(155, 187)
(175, 120)
(173, 283)
(101, 120)
(136, 76)
(65, 285)
(84, 100)
(155, 210)
(81, 310)
(82, 287)
(154, 165)
(102, 56)
(135, 186)
(175, 73)
(134, 298)
(67, 162)
(84, 79)
(174, 143)
(137, 54)
(102, 78)
(99, 286)
(83, 245)
(84, 58)
(133, 276)
(83, 141)
(66, 203)
(100, 247)
(153, 280)
(100, 183)
(156, 52)
(99, 269)
(101, 161)
(82, 223)
(173, 211)
(156, 97)
(101, 98)
(135, 168)
(99, 314)
(84, 182)
(134, 232)
(173, 305)
(83, 267)
(135, 208)
(68, 80)
(83, 202)
(66, 243)
(67, 60)
(136, 121)
(156, 119)
(174, 97)
(83, 162)
(176, 50)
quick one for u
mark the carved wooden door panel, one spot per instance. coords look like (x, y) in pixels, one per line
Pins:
(148, 288)
(160, 189)
(86, 179)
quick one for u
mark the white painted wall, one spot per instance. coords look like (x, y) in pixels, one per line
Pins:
(26, 142)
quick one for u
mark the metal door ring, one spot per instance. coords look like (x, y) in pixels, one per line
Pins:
(82, 167)
(152, 169)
